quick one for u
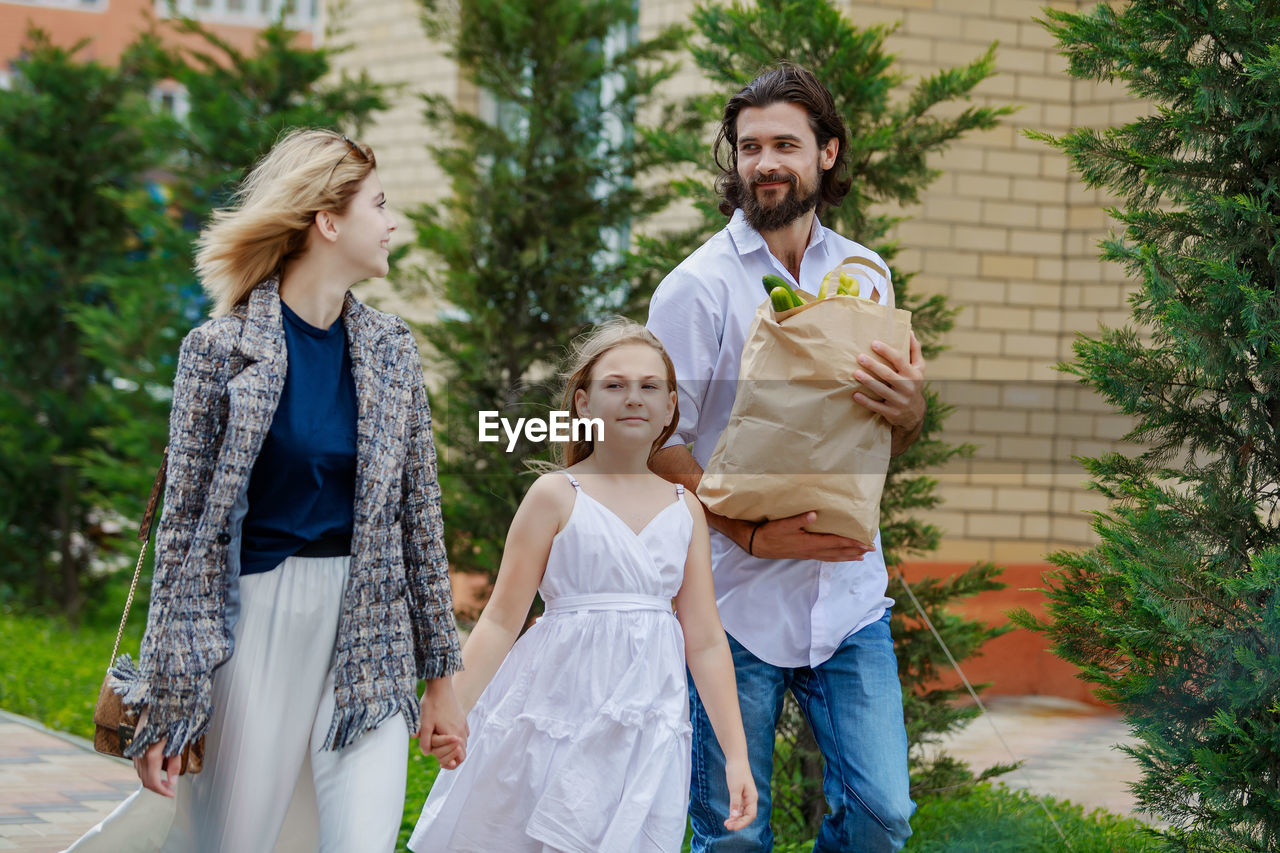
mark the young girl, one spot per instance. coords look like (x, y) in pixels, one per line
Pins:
(301, 587)
(580, 738)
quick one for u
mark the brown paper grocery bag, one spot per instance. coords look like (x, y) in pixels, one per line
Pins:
(796, 440)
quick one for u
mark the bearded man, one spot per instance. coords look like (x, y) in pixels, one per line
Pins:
(804, 612)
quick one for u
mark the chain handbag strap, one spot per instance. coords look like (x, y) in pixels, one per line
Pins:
(144, 535)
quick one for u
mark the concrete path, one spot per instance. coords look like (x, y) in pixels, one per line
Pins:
(1067, 749)
(53, 786)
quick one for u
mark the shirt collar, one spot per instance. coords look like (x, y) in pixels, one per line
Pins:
(747, 239)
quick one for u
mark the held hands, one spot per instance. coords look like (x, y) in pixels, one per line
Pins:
(742, 795)
(156, 772)
(898, 380)
(786, 538)
(443, 731)
(449, 750)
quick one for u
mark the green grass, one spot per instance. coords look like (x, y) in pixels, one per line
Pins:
(422, 772)
(51, 673)
(996, 819)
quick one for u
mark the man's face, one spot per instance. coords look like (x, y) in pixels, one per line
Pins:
(780, 164)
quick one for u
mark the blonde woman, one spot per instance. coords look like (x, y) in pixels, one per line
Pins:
(301, 585)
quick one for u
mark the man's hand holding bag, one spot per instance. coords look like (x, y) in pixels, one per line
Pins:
(796, 440)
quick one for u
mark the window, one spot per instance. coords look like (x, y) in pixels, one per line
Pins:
(83, 5)
(248, 13)
(171, 98)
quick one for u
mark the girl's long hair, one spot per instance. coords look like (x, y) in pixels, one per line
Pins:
(586, 353)
(267, 223)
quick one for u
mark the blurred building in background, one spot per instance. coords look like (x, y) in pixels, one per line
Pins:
(109, 26)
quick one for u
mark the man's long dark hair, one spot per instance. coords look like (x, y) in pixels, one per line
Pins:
(792, 84)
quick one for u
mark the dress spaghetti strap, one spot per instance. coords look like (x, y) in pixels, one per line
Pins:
(578, 486)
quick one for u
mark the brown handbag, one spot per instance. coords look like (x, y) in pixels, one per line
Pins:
(114, 724)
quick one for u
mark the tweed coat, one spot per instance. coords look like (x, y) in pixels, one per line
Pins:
(397, 622)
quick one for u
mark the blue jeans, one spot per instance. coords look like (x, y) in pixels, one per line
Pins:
(853, 704)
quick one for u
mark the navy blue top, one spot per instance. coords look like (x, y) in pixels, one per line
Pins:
(303, 484)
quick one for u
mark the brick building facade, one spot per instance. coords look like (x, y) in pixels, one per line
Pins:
(109, 26)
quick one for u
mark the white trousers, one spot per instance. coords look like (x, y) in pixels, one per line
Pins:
(268, 786)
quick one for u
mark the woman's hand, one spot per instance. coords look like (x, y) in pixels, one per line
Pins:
(443, 730)
(742, 795)
(156, 772)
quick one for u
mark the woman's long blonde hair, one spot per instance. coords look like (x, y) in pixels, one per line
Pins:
(271, 213)
(586, 354)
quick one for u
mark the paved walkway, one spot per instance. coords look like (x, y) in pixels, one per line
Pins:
(54, 786)
(1067, 750)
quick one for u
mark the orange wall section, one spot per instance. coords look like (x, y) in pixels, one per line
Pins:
(110, 31)
(1019, 663)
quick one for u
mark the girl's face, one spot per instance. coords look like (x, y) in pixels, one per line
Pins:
(628, 391)
(364, 230)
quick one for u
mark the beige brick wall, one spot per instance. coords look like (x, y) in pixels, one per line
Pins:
(1007, 233)
(385, 38)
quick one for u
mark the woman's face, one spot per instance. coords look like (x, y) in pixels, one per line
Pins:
(364, 230)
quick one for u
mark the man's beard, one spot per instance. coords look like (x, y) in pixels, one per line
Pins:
(796, 202)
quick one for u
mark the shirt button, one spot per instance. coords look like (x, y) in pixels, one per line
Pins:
(224, 538)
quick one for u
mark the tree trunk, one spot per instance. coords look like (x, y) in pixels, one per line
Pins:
(69, 561)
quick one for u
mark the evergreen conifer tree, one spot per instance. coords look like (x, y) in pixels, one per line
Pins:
(529, 248)
(100, 199)
(1176, 612)
(73, 137)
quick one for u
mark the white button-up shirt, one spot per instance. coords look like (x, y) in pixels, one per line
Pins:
(788, 613)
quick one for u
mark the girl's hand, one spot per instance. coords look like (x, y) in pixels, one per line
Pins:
(156, 772)
(441, 715)
(449, 750)
(742, 795)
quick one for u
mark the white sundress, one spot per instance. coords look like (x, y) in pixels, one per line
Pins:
(582, 741)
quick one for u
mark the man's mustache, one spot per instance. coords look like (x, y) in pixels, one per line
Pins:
(772, 178)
